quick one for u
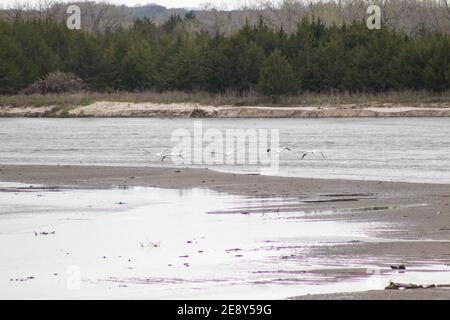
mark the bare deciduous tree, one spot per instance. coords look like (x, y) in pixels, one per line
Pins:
(409, 16)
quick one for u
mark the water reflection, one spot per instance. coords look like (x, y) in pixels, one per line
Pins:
(157, 243)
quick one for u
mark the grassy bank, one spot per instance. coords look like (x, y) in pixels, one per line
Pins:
(251, 99)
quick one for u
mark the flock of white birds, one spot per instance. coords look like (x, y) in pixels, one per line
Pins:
(165, 154)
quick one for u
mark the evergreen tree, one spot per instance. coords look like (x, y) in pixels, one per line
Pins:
(11, 78)
(137, 70)
(246, 58)
(174, 56)
(277, 76)
(181, 67)
(216, 66)
(171, 24)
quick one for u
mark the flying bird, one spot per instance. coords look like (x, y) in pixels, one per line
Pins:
(279, 150)
(170, 155)
(213, 153)
(159, 154)
(313, 152)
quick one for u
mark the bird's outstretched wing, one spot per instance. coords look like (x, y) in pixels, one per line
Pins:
(304, 155)
(159, 154)
(284, 148)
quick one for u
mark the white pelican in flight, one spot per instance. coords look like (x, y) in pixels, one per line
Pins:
(170, 155)
(279, 150)
(159, 154)
(313, 152)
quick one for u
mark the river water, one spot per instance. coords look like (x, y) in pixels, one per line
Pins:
(406, 149)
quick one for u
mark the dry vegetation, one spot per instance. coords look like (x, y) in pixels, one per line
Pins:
(203, 98)
(57, 83)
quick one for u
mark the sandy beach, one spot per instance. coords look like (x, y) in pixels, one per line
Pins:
(111, 109)
(418, 213)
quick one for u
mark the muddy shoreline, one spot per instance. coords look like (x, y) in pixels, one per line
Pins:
(419, 294)
(105, 109)
(418, 214)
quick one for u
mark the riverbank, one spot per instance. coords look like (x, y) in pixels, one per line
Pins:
(105, 109)
(176, 104)
(415, 216)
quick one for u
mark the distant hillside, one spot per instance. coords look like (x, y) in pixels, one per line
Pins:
(154, 12)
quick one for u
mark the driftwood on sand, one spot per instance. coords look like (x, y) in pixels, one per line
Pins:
(404, 286)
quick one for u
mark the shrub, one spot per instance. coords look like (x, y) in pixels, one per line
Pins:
(56, 82)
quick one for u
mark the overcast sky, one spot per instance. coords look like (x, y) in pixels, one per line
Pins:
(222, 4)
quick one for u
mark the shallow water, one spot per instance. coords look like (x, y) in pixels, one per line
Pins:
(415, 150)
(155, 243)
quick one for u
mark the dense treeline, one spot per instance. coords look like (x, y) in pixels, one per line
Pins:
(174, 57)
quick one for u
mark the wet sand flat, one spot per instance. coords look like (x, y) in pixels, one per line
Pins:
(424, 207)
(419, 294)
(410, 222)
(154, 243)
